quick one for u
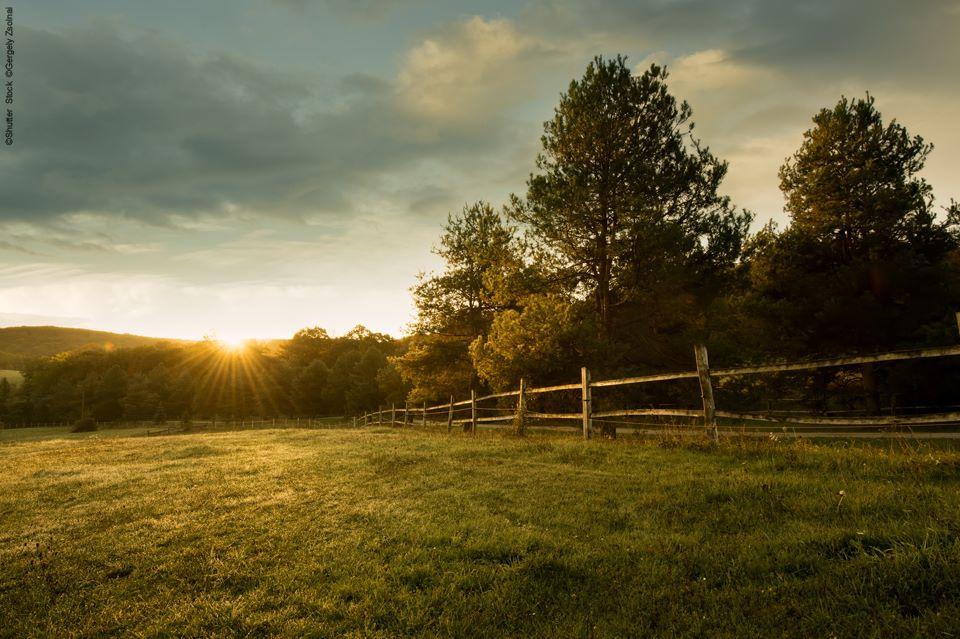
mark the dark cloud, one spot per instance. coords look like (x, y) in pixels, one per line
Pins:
(911, 43)
(136, 127)
(139, 127)
(362, 10)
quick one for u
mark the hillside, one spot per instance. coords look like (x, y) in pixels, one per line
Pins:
(21, 343)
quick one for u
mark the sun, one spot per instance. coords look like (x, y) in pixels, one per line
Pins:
(232, 344)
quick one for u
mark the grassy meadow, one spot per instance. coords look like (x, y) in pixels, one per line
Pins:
(380, 532)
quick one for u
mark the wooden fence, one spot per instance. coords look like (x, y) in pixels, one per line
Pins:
(453, 411)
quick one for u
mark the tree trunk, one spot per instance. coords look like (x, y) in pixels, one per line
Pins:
(603, 296)
(603, 272)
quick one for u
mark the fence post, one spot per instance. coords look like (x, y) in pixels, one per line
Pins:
(958, 321)
(380, 416)
(585, 395)
(424, 413)
(393, 414)
(406, 412)
(473, 411)
(706, 391)
(450, 415)
(522, 408)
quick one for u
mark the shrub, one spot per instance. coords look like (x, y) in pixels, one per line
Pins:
(543, 341)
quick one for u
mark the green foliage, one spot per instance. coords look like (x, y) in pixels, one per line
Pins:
(364, 391)
(140, 401)
(477, 248)
(853, 185)
(390, 384)
(864, 264)
(6, 392)
(543, 342)
(308, 345)
(625, 205)
(485, 272)
(436, 366)
(309, 385)
(313, 374)
(109, 389)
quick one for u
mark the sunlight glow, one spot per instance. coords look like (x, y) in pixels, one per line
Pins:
(232, 344)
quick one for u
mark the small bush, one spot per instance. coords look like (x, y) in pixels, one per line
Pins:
(84, 425)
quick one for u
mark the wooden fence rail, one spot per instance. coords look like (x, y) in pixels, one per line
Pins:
(708, 411)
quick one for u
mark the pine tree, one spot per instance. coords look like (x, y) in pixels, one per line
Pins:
(625, 201)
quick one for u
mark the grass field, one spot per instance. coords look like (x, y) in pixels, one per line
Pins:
(385, 533)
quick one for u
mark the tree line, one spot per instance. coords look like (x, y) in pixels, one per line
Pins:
(622, 253)
(311, 374)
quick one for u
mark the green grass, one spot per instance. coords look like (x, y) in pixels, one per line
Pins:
(37, 433)
(382, 533)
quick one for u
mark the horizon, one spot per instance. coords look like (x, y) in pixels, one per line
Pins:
(297, 162)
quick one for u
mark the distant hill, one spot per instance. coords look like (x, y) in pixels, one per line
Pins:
(19, 344)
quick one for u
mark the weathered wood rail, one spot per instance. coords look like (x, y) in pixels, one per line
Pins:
(707, 412)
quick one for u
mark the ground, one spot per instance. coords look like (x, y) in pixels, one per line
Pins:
(382, 533)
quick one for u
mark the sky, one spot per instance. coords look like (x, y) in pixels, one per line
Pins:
(246, 168)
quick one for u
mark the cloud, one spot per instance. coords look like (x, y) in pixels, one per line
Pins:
(135, 127)
(907, 43)
(468, 69)
(707, 70)
(138, 127)
(359, 10)
(77, 235)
